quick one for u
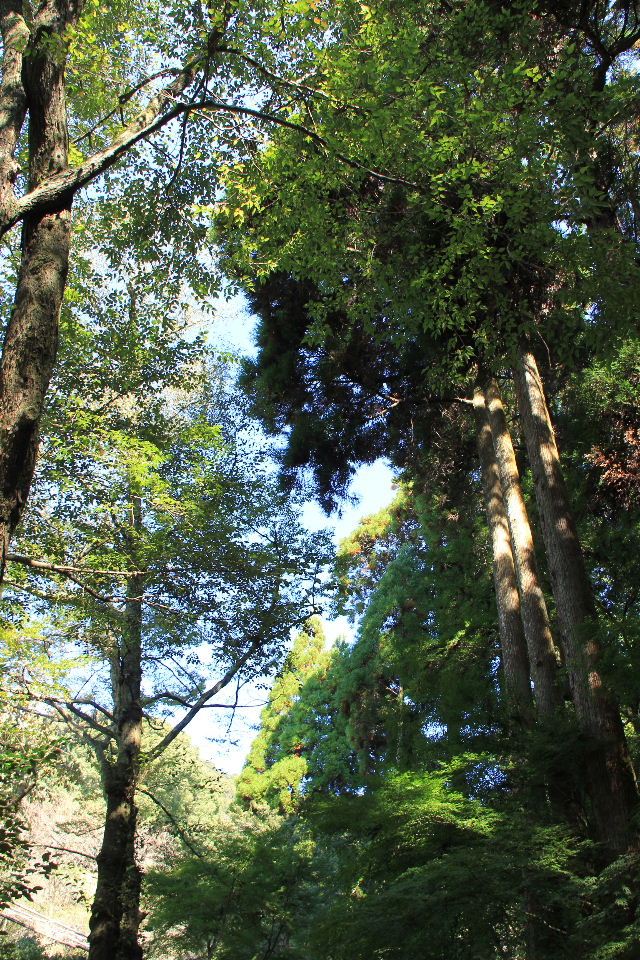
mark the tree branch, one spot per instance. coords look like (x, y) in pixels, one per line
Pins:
(59, 704)
(48, 846)
(274, 119)
(176, 826)
(151, 119)
(64, 568)
(154, 116)
(204, 699)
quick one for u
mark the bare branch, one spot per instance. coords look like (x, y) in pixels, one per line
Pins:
(70, 706)
(204, 699)
(174, 698)
(176, 826)
(47, 846)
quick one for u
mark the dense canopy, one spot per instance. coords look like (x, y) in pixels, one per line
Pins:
(427, 213)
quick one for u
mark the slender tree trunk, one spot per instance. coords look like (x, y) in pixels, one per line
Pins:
(515, 662)
(13, 100)
(31, 338)
(115, 914)
(535, 619)
(611, 778)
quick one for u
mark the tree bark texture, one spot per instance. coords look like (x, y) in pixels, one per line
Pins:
(611, 777)
(542, 654)
(115, 913)
(515, 662)
(31, 338)
(13, 100)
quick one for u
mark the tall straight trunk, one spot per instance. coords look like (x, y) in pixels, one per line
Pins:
(515, 662)
(115, 913)
(31, 338)
(611, 778)
(535, 619)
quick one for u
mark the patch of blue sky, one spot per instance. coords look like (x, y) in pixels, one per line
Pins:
(223, 734)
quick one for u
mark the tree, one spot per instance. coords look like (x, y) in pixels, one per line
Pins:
(127, 74)
(167, 537)
(473, 261)
(276, 766)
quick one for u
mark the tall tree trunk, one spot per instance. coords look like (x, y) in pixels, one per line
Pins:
(115, 914)
(611, 778)
(535, 619)
(515, 662)
(31, 338)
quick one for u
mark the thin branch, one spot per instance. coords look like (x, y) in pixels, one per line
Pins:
(176, 826)
(107, 601)
(64, 568)
(204, 699)
(89, 721)
(276, 78)
(174, 698)
(319, 140)
(233, 708)
(48, 846)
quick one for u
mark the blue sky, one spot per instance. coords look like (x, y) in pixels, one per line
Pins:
(232, 328)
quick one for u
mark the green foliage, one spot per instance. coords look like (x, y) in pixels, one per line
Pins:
(468, 176)
(221, 554)
(432, 872)
(28, 751)
(380, 295)
(278, 762)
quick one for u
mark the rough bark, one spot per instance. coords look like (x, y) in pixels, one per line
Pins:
(33, 85)
(515, 662)
(535, 619)
(611, 778)
(31, 338)
(115, 913)
(13, 100)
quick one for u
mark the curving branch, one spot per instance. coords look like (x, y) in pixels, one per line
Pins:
(155, 115)
(174, 823)
(204, 699)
